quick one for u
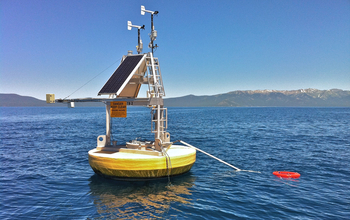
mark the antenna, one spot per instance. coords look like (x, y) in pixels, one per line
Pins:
(139, 46)
(153, 34)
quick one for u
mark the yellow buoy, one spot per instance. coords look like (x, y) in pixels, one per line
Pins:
(134, 164)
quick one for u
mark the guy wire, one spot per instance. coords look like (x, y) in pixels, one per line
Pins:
(92, 79)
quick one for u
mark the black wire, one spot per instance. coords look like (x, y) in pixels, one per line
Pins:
(92, 79)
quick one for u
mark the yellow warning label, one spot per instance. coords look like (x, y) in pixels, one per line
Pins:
(118, 109)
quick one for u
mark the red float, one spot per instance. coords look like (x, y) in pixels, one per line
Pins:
(286, 174)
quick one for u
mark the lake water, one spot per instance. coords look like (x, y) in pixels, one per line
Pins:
(45, 172)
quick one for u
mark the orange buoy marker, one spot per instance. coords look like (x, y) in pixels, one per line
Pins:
(286, 174)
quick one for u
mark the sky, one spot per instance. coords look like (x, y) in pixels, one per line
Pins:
(71, 48)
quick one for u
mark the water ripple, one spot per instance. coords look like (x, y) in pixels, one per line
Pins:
(45, 172)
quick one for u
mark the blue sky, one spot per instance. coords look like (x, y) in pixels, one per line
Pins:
(205, 47)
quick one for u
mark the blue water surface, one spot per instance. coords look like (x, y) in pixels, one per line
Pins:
(45, 172)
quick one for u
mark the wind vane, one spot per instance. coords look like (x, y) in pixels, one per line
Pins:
(139, 46)
(153, 34)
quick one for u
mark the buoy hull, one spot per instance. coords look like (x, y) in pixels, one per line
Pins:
(286, 174)
(131, 166)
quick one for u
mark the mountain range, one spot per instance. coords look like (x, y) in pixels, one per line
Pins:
(247, 98)
(268, 98)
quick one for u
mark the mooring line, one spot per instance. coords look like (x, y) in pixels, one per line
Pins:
(230, 165)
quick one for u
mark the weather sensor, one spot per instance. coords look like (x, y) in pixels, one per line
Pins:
(153, 34)
(139, 46)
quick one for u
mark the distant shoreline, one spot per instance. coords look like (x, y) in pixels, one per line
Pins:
(248, 98)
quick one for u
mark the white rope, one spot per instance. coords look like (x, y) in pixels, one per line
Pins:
(237, 169)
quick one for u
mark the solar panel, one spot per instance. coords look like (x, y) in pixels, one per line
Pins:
(122, 75)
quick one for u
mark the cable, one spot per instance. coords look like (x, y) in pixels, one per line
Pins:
(167, 157)
(92, 79)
